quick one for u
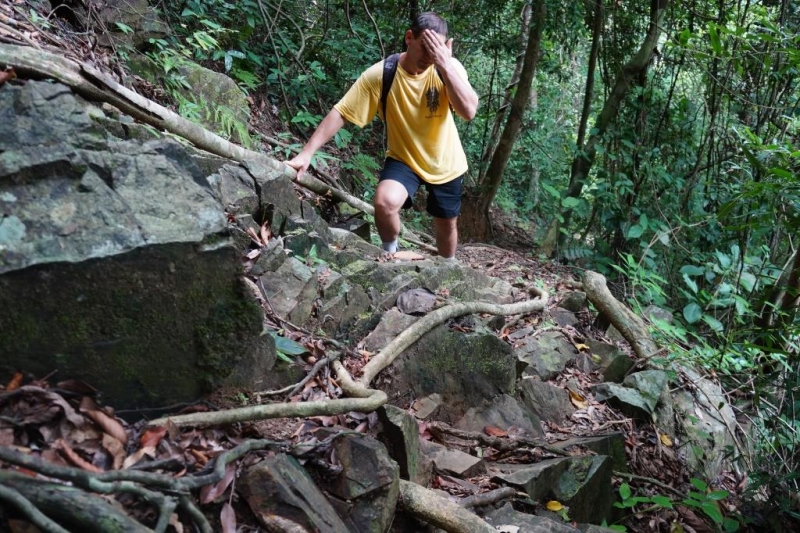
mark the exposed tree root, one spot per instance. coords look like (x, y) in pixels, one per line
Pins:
(408, 337)
(71, 506)
(631, 326)
(501, 444)
(439, 511)
(366, 404)
(13, 498)
(170, 493)
(491, 497)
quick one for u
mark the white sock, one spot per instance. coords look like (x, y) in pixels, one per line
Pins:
(390, 247)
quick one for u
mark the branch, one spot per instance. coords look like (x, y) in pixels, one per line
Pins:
(656, 482)
(439, 511)
(631, 326)
(493, 496)
(498, 443)
(30, 511)
(408, 337)
(278, 410)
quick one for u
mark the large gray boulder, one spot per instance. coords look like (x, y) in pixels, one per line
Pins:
(367, 486)
(463, 368)
(116, 266)
(283, 497)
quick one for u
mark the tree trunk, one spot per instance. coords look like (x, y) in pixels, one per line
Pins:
(584, 159)
(478, 227)
(500, 116)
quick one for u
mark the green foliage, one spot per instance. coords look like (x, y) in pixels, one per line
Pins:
(701, 499)
(285, 348)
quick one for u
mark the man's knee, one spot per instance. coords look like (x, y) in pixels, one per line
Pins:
(389, 196)
(447, 224)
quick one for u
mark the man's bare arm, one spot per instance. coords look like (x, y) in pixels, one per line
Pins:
(329, 126)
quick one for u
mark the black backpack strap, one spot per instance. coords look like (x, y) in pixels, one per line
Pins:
(389, 70)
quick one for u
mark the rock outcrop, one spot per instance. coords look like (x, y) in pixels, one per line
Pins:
(116, 265)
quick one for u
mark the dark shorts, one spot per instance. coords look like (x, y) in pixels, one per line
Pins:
(444, 201)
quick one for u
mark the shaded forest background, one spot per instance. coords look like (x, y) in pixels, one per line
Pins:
(655, 142)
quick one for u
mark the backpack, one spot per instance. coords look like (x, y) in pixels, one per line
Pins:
(389, 70)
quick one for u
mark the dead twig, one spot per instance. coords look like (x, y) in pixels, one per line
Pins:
(501, 444)
(634, 477)
(493, 496)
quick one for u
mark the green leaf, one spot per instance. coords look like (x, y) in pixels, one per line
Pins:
(692, 313)
(283, 357)
(570, 202)
(724, 259)
(551, 190)
(287, 346)
(634, 232)
(730, 525)
(711, 509)
(124, 28)
(748, 281)
(716, 45)
(663, 501)
(625, 491)
(690, 283)
(717, 495)
(699, 484)
(713, 323)
(691, 270)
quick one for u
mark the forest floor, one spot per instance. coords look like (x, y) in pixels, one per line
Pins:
(40, 406)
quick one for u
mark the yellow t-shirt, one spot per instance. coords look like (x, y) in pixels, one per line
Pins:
(421, 129)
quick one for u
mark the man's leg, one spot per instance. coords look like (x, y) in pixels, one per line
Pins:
(390, 196)
(444, 205)
(446, 236)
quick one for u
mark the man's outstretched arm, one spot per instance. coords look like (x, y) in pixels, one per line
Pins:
(329, 126)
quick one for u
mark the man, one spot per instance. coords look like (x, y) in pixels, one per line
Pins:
(423, 143)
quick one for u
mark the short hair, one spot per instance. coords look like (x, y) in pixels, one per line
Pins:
(428, 21)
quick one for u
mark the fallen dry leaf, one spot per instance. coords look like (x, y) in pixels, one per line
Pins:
(110, 425)
(16, 381)
(577, 400)
(115, 449)
(266, 232)
(554, 506)
(152, 436)
(694, 521)
(7, 75)
(175, 522)
(227, 519)
(408, 256)
(68, 453)
(199, 456)
(209, 493)
(256, 239)
(6, 436)
(138, 455)
(494, 431)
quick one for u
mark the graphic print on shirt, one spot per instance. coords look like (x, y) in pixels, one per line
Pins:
(432, 96)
